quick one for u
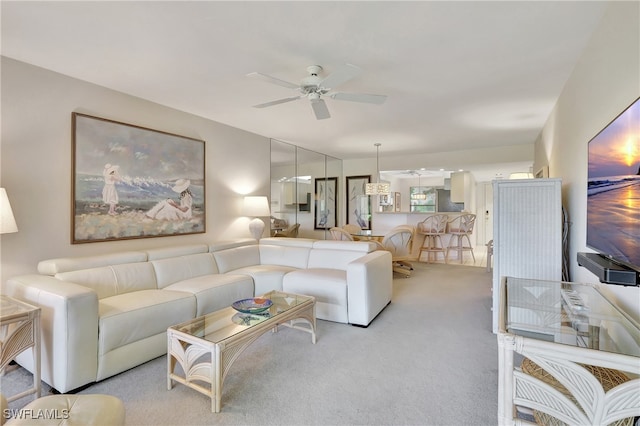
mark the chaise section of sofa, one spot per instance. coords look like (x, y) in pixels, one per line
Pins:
(352, 282)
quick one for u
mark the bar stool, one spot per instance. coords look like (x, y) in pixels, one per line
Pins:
(433, 227)
(460, 228)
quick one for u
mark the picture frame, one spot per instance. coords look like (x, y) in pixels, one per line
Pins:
(325, 212)
(358, 203)
(133, 182)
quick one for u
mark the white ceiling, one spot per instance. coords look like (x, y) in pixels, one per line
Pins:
(457, 74)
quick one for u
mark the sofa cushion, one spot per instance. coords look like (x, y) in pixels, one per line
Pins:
(227, 244)
(338, 254)
(175, 269)
(295, 257)
(66, 264)
(112, 280)
(176, 251)
(238, 257)
(289, 242)
(214, 292)
(328, 286)
(265, 277)
(130, 317)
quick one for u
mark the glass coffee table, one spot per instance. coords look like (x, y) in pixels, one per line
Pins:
(206, 347)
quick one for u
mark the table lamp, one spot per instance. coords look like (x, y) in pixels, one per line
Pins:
(7, 221)
(256, 206)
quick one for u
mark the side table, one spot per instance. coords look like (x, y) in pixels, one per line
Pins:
(19, 331)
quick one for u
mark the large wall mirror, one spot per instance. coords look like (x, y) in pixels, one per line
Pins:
(305, 185)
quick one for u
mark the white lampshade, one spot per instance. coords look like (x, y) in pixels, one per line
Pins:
(7, 221)
(377, 188)
(256, 206)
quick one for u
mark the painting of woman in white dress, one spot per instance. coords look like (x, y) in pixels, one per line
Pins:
(109, 192)
(134, 182)
(169, 210)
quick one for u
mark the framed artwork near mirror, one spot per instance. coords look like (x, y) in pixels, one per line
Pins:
(326, 215)
(358, 204)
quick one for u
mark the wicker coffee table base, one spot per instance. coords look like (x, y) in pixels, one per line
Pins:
(205, 363)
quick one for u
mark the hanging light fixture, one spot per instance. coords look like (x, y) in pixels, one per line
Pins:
(419, 195)
(378, 188)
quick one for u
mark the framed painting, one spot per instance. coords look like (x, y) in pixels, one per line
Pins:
(133, 182)
(326, 215)
(358, 202)
(396, 201)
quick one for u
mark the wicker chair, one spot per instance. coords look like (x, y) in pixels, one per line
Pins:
(340, 234)
(351, 228)
(398, 241)
(291, 231)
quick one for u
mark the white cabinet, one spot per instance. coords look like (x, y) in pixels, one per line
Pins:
(459, 185)
(462, 184)
(527, 232)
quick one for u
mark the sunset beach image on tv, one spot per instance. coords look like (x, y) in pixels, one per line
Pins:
(613, 189)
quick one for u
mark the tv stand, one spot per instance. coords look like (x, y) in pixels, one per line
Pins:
(607, 271)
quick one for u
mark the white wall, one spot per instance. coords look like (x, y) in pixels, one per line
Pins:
(605, 81)
(35, 164)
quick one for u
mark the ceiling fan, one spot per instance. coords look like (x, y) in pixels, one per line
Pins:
(313, 87)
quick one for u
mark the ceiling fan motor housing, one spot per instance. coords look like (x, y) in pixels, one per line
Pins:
(311, 83)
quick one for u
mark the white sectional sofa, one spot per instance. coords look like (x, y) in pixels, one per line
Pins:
(102, 315)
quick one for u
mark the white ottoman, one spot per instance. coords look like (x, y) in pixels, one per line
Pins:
(104, 410)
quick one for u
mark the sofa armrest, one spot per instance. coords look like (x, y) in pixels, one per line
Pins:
(69, 329)
(369, 286)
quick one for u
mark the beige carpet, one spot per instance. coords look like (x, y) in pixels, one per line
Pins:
(428, 359)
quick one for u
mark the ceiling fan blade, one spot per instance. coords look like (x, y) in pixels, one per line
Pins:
(273, 80)
(320, 109)
(340, 76)
(279, 101)
(359, 97)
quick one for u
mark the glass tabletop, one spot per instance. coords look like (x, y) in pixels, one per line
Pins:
(10, 308)
(225, 323)
(568, 313)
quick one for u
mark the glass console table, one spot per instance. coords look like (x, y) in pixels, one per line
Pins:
(571, 331)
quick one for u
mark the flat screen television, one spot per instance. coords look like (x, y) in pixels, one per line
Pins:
(613, 190)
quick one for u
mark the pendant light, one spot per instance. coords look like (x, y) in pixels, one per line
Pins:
(419, 195)
(378, 188)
